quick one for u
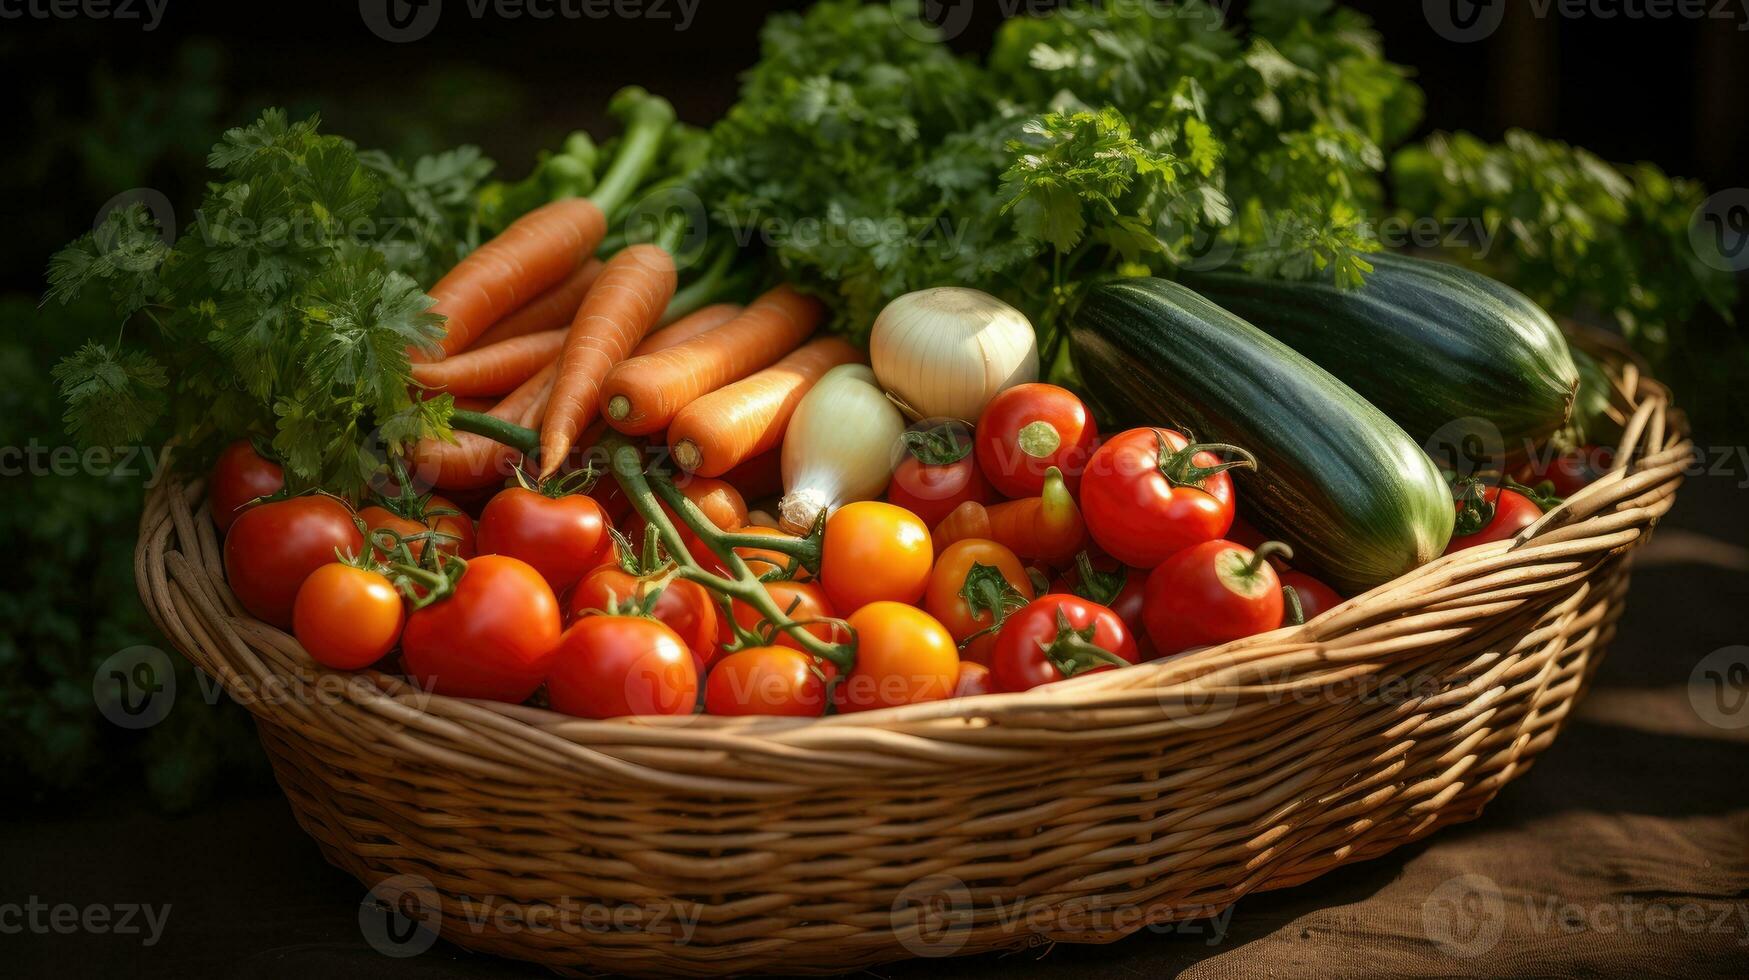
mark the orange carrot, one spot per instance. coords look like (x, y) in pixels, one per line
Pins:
(644, 394)
(474, 461)
(1047, 527)
(626, 302)
(969, 520)
(687, 327)
(494, 369)
(537, 252)
(733, 424)
(551, 310)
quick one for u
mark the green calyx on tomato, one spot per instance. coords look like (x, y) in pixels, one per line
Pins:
(1543, 495)
(987, 590)
(1243, 576)
(1097, 586)
(1476, 511)
(1073, 651)
(1180, 469)
(425, 586)
(940, 446)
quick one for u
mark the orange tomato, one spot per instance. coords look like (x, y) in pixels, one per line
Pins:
(875, 552)
(346, 617)
(766, 681)
(903, 656)
(945, 599)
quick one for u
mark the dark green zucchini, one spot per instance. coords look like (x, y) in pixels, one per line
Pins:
(1358, 500)
(1466, 365)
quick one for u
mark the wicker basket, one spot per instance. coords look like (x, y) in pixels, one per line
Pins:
(1079, 812)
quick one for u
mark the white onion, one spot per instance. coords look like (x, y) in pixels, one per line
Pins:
(945, 352)
(838, 447)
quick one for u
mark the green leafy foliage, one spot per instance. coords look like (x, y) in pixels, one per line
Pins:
(69, 600)
(1133, 134)
(288, 307)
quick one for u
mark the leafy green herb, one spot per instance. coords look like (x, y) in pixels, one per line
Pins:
(1125, 136)
(287, 307)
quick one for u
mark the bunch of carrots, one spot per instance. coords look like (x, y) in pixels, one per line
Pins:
(544, 336)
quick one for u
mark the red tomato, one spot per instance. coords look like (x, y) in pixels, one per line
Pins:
(562, 537)
(903, 656)
(1115, 587)
(1212, 593)
(684, 607)
(1316, 598)
(347, 617)
(239, 477)
(1057, 637)
(875, 552)
(1146, 496)
(272, 548)
(973, 580)
(938, 473)
(974, 679)
(1030, 428)
(614, 666)
(1568, 473)
(453, 529)
(493, 638)
(766, 681)
(1491, 514)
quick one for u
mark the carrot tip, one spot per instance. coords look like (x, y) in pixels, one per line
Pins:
(618, 407)
(687, 454)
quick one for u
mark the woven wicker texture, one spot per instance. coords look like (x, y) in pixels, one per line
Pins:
(1078, 812)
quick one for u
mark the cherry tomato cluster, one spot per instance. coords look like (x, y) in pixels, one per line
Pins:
(1017, 551)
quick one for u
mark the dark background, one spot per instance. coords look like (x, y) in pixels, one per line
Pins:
(1670, 91)
(101, 106)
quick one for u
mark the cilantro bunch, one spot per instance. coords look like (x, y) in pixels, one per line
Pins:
(286, 307)
(1133, 135)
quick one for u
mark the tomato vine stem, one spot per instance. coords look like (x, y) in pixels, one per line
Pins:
(643, 490)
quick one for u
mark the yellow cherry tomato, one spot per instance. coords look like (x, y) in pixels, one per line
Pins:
(903, 656)
(875, 552)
